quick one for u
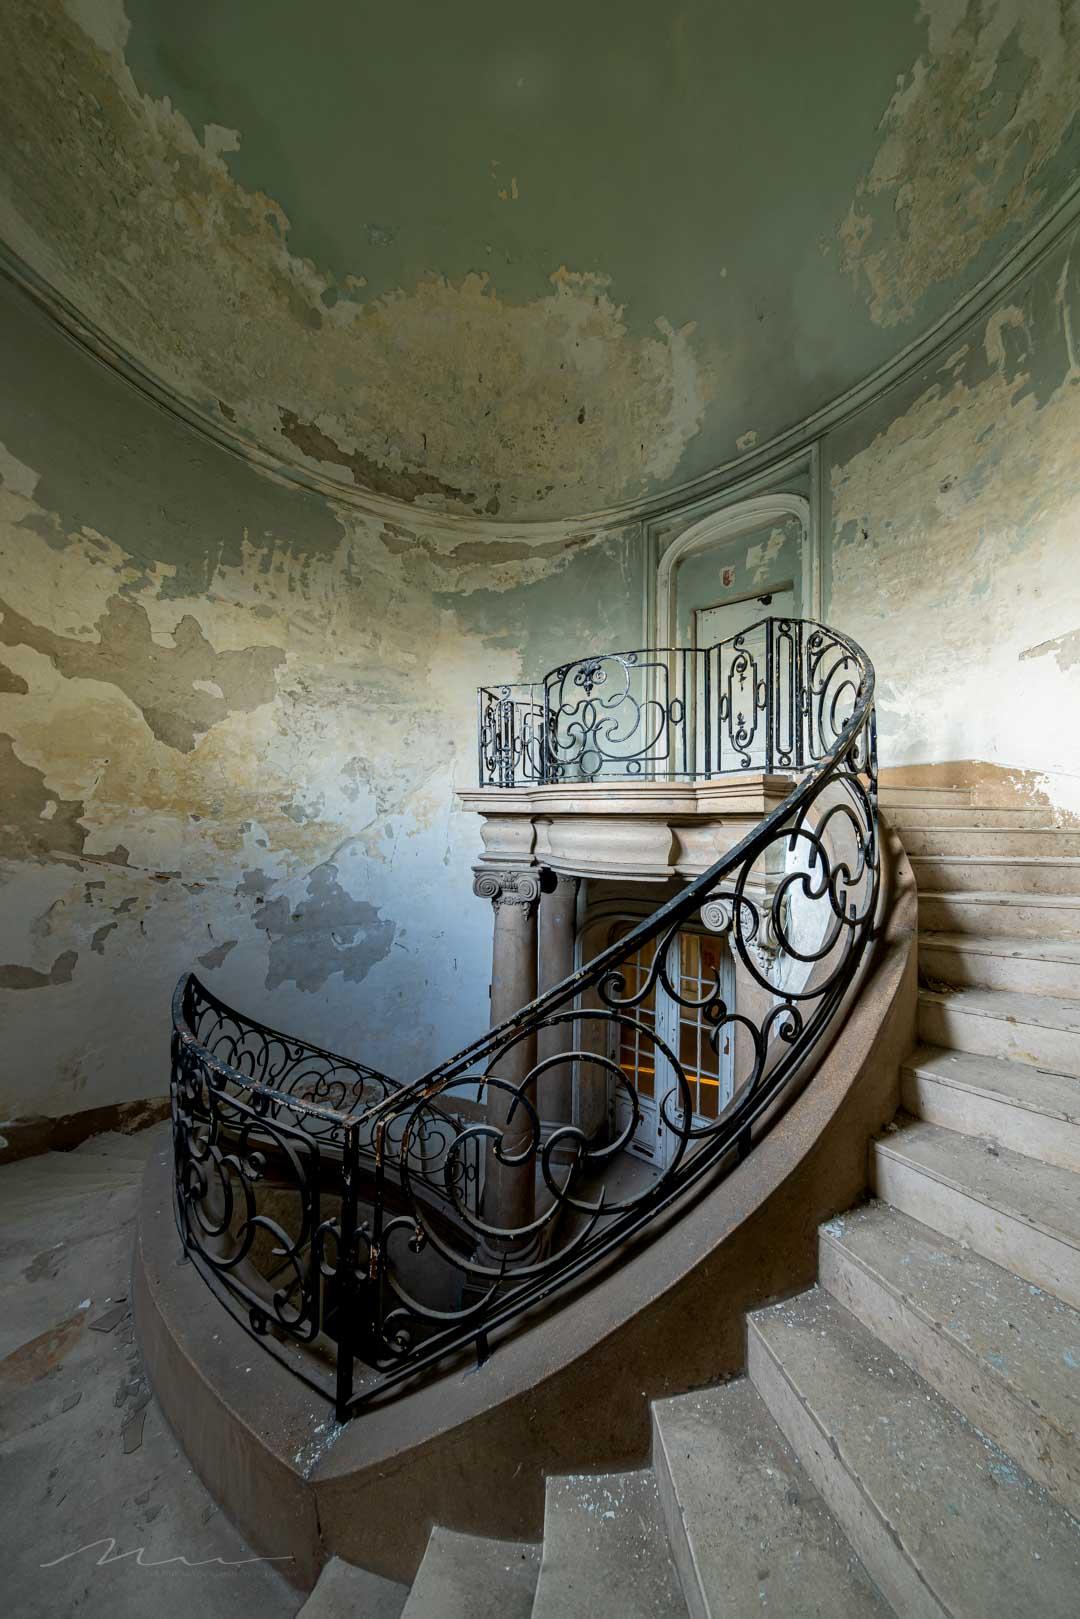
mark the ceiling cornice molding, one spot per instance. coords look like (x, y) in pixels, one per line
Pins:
(1027, 253)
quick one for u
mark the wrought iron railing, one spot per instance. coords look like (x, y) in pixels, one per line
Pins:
(332, 1207)
(751, 702)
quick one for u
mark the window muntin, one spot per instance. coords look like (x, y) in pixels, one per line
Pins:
(697, 961)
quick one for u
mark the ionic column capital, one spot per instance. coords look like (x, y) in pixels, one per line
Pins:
(509, 885)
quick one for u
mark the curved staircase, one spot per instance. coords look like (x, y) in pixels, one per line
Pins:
(906, 1438)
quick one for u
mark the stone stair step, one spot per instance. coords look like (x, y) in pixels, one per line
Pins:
(1054, 841)
(343, 1591)
(606, 1550)
(1041, 1030)
(468, 1577)
(1016, 874)
(987, 913)
(925, 797)
(1029, 1110)
(903, 816)
(1029, 966)
(749, 1531)
(1004, 1353)
(40, 1183)
(120, 1148)
(945, 1521)
(1013, 1210)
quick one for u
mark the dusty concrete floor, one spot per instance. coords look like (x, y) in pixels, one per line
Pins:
(100, 1513)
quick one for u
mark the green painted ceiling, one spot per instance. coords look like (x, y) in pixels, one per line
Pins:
(525, 262)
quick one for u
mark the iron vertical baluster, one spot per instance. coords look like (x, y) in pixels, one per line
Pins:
(707, 701)
(770, 695)
(797, 695)
(346, 1272)
(376, 1263)
(480, 736)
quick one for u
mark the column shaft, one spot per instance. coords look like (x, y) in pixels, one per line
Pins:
(558, 916)
(509, 1192)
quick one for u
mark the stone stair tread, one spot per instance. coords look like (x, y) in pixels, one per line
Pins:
(114, 1144)
(109, 1169)
(996, 859)
(1005, 944)
(1011, 1331)
(344, 1591)
(39, 1202)
(1000, 896)
(1046, 1011)
(470, 1577)
(1037, 1194)
(755, 1533)
(1018, 1083)
(606, 1550)
(19, 1182)
(952, 1514)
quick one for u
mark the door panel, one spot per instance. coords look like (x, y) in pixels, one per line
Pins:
(702, 960)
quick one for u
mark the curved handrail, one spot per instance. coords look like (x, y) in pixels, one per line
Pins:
(795, 902)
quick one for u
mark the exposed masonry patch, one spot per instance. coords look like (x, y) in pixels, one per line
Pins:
(215, 957)
(12, 683)
(967, 499)
(440, 393)
(35, 822)
(1064, 649)
(181, 691)
(324, 933)
(966, 140)
(16, 977)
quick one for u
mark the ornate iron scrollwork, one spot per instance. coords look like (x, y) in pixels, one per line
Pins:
(335, 1207)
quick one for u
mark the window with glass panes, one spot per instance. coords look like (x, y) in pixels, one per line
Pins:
(637, 1053)
(700, 1052)
(707, 1064)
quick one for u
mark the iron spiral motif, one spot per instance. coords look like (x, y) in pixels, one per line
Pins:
(770, 698)
(393, 1254)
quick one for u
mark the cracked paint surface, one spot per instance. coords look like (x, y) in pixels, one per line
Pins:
(442, 394)
(230, 744)
(940, 185)
(503, 267)
(955, 508)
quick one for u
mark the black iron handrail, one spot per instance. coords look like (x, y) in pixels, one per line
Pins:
(390, 1256)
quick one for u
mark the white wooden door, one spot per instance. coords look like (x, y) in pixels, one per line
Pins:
(698, 960)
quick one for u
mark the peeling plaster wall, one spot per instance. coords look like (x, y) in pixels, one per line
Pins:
(524, 265)
(232, 721)
(955, 541)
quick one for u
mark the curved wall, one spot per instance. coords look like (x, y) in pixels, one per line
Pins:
(514, 264)
(233, 712)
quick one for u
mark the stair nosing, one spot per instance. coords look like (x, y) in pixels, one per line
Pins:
(919, 1069)
(908, 1302)
(942, 997)
(990, 944)
(881, 1145)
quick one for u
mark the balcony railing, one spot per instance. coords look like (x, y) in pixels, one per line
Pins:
(344, 1217)
(763, 700)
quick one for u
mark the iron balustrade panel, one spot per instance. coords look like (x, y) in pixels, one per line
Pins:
(512, 736)
(619, 714)
(393, 1250)
(770, 699)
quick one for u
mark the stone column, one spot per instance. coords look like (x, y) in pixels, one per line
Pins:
(509, 1193)
(558, 915)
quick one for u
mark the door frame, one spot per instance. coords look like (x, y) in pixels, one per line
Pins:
(718, 529)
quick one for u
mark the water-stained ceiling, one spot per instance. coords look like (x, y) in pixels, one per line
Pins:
(524, 262)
